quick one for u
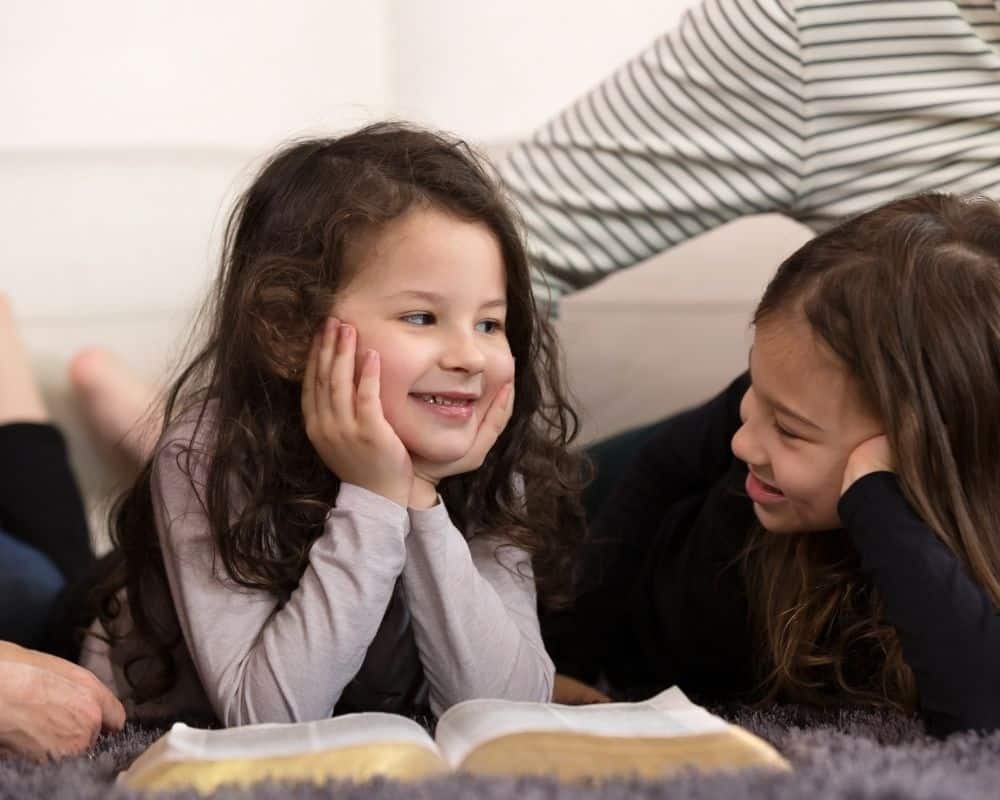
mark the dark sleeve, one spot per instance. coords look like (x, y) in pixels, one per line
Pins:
(948, 626)
(685, 456)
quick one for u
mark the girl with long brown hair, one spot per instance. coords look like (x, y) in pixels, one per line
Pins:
(827, 529)
(363, 473)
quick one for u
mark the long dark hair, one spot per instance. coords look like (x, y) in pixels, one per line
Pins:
(908, 298)
(287, 251)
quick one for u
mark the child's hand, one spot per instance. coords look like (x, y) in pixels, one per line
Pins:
(427, 474)
(345, 424)
(872, 455)
(571, 692)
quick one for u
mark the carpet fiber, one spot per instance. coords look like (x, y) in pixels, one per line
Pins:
(846, 754)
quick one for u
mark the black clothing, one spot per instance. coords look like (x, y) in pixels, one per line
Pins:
(663, 595)
(40, 503)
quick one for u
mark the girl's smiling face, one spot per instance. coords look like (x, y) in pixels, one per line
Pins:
(429, 295)
(802, 417)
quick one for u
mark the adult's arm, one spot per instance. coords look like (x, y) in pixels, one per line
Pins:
(948, 626)
(50, 707)
(260, 660)
(705, 125)
(474, 614)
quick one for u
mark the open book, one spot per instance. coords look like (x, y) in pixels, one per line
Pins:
(491, 737)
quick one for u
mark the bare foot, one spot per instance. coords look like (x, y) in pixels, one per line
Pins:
(20, 397)
(122, 409)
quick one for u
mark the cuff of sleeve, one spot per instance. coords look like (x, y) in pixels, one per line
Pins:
(869, 493)
(368, 504)
(429, 519)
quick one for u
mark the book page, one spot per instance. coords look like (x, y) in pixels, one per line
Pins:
(467, 725)
(356, 746)
(649, 739)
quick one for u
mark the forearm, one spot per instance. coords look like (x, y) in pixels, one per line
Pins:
(264, 662)
(475, 620)
(948, 626)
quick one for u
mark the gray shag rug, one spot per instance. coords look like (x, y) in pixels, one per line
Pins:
(836, 754)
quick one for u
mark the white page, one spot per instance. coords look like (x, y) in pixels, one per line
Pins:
(467, 725)
(275, 740)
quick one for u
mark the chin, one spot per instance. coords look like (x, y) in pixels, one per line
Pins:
(438, 452)
(773, 523)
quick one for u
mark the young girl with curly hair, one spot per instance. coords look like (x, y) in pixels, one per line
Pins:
(363, 473)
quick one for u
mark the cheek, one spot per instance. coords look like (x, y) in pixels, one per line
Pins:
(814, 485)
(396, 378)
(499, 367)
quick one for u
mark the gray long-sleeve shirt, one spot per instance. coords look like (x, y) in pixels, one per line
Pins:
(249, 658)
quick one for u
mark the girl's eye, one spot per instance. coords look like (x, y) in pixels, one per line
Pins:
(489, 326)
(419, 318)
(784, 432)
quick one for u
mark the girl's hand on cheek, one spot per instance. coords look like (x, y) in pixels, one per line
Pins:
(872, 455)
(346, 424)
(426, 474)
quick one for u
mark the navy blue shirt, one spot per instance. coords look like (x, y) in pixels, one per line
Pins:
(663, 597)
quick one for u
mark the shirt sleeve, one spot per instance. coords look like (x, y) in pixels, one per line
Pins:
(260, 660)
(705, 125)
(947, 624)
(474, 614)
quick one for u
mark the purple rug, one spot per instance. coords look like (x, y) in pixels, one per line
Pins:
(845, 754)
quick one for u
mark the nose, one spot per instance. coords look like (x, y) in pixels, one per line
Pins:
(746, 444)
(463, 353)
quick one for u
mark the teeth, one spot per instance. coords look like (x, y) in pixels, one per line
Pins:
(437, 400)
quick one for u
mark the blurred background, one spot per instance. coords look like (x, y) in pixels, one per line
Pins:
(128, 127)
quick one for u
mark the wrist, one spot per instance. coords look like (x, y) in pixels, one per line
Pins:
(855, 473)
(393, 493)
(423, 493)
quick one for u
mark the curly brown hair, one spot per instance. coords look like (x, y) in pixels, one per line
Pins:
(286, 254)
(908, 298)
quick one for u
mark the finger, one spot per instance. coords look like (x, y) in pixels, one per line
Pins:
(508, 403)
(498, 414)
(494, 421)
(369, 387)
(112, 711)
(342, 374)
(324, 362)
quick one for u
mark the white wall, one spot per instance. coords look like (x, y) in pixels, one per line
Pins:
(129, 126)
(166, 73)
(242, 74)
(495, 71)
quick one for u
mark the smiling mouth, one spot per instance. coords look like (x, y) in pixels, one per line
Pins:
(444, 400)
(770, 487)
(762, 493)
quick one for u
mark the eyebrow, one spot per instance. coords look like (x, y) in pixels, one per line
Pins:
(778, 405)
(434, 297)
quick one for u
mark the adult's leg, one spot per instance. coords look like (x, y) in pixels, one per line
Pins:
(40, 504)
(29, 584)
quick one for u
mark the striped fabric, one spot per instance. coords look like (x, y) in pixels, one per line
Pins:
(813, 109)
